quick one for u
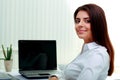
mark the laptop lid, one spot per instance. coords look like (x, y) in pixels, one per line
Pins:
(37, 55)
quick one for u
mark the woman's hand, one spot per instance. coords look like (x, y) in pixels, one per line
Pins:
(53, 78)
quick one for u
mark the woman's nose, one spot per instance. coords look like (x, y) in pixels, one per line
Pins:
(81, 23)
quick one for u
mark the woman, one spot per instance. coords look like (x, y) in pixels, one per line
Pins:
(96, 60)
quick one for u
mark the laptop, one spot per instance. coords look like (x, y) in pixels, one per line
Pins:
(37, 58)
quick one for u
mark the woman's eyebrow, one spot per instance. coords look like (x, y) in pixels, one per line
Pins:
(77, 18)
(86, 18)
(83, 18)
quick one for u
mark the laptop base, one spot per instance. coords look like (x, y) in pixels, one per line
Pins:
(36, 76)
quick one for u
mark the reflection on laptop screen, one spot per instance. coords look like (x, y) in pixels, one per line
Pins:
(37, 55)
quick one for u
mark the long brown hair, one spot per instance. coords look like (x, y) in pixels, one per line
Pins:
(99, 29)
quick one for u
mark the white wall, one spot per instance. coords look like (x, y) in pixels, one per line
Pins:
(52, 19)
(39, 19)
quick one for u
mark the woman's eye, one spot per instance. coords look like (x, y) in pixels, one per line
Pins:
(87, 21)
(77, 20)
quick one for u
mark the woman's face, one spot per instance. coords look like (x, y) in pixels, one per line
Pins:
(83, 26)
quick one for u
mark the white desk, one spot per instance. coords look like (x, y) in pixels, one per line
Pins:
(17, 75)
(115, 76)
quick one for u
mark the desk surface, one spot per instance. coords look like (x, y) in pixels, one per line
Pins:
(17, 75)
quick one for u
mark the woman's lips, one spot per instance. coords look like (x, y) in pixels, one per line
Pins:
(81, 31)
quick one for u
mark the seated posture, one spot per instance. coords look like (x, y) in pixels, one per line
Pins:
(96, 60)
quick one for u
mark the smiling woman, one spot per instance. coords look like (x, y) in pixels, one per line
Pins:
(112, 12)
(96, 60)
(82, 26)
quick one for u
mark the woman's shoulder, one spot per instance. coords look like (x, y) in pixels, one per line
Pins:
(101, 49)
(98, 50)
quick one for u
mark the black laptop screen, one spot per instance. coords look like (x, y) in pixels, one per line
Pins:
(37, 55)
